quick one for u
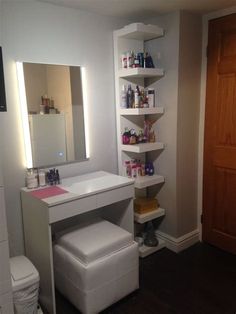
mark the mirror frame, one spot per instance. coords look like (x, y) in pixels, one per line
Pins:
(25, 119)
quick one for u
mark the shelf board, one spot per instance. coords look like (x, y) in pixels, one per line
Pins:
(141, 72)
(145, 181)
(143, 147)
(141, 111)
(146, 250)
(140, 31)
(156, 213)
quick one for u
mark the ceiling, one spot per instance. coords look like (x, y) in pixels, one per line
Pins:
(143, 8)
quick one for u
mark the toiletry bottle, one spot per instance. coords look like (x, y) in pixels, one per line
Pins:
(136, 61)
(58, 180)
(130, 59)
(136, 97)
(151, 97)
(124, 61)
(151, 169)
(130, 97)
(42, 178)
(123, 97)
(134, 171)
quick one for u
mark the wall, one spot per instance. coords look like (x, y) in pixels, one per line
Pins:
(40, 32)
(179, 53)
(205, 21)
(188, 121)
(166, 127)
(1, 114)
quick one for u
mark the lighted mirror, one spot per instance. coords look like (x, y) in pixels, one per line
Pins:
(54, 121)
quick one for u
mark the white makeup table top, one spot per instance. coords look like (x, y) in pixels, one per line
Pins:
(84, 186)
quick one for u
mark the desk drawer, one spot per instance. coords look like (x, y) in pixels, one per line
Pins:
(116, 195)
(73, 208)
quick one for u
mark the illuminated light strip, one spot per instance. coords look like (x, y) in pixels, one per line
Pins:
(24, 114)
(86, 115)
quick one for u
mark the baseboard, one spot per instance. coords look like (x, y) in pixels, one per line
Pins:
(179, 244)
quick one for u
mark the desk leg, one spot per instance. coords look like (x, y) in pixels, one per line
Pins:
(38, 248)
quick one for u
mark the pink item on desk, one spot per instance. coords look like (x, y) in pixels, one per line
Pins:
(48, 192)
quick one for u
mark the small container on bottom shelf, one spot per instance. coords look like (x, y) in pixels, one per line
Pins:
(139, 240)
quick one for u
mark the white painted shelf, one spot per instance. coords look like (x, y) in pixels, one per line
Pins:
(146, 250)
(143, 147)
(140, 31)
(132, 37)
(143, 182)
(141, 72)
(142, 218)
(141, 111)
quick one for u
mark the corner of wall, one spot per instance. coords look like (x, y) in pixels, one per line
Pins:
(188, 121)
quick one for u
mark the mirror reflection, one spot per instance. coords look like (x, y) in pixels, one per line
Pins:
(55, 111)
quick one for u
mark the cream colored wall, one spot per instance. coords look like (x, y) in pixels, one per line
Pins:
(166, 126)
(205, 21)
(188, 121)
(178, 91)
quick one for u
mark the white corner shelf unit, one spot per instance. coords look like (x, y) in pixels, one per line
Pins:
(132, 38)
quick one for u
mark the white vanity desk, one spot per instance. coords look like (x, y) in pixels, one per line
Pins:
(99, 193)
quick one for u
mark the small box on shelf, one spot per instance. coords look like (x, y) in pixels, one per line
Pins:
(143, 205)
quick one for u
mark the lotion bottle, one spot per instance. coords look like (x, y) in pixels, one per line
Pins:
(123, 97)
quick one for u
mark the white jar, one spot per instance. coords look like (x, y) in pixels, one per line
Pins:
(32, 179)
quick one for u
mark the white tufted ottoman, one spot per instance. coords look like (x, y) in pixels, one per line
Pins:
(95, 265)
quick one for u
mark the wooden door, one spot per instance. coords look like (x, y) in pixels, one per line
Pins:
(219, 180)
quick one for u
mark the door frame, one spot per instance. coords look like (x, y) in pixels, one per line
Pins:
(205, 20)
